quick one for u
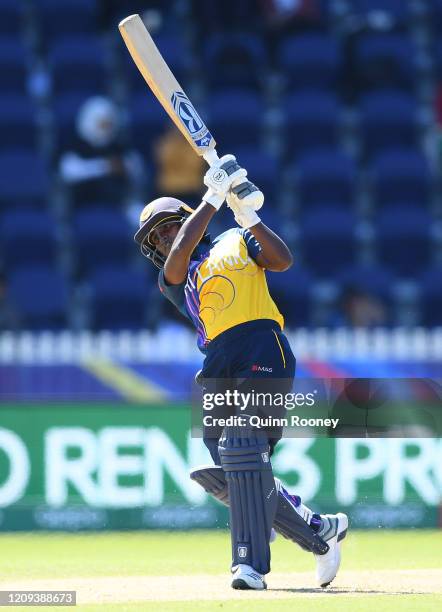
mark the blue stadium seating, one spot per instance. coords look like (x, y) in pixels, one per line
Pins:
(18, 122)
(11, 15)
(388, 120)
(262, 168)
(371, 278)
(101, 236)
(327, 238)
(311, 60)
(239, 60)
(386, 60)
(78, 65)
(27, 236)
(76, 17)
(401, 176)
(431, 296)
(404, 240)
(325, 176)
(119, 298)
(23, 178)
(13, 64)
(292, 291)
(39, 294)
(312, 121)
(148, 120)
(236, 117)
(397, 9)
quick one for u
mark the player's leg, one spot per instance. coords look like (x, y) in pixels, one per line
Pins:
(245, 460)
(320, 534)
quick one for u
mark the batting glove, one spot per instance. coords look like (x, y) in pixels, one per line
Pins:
(248, 194)
(245, 216)
(220, 177)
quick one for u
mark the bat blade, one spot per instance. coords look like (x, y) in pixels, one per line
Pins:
(165, 87)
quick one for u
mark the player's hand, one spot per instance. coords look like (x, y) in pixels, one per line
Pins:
(220, 177)
(247, 194)
(245, 215)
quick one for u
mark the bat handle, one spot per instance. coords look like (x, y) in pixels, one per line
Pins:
(211, 156)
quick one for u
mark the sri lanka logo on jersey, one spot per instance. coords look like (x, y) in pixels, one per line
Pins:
(190, 118)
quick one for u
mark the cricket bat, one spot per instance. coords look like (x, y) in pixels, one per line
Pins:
(166, 88)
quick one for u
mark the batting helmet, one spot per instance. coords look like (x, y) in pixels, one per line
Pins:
(159, 212)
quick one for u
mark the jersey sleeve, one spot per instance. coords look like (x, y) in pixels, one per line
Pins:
(174, 293)
(253, 246)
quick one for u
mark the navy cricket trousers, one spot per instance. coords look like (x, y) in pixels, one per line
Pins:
(250, 351)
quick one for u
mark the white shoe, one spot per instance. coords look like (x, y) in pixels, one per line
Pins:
(245, 577)
(333, 532)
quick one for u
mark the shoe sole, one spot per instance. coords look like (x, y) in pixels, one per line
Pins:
(341, 536)
(242, 585)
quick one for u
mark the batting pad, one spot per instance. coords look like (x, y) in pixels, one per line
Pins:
(245, 459)
(287, 521)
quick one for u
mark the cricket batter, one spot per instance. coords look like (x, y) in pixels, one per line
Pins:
(221, 287)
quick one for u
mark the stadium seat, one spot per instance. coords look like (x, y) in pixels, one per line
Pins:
(77, 17)
(262, 168)
(27, 237)
(401, 176)
(235, 116)
(328, 240)
(101, 236)
(312, 121)
(239, 59)
(397, 9)
(148, 120)
(388, 120)
(431, 297)
(385, 60)
(11, 15)
(39, 295)
(18, 123)
(119, 298)
(325, 176)
(310, 60)
(78, 64)
(13, 65)
(23, 178)
(371, 278)
(403, 236)
(292, 291)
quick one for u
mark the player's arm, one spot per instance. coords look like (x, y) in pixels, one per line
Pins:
(275, 254)
(219, 178)
(189, 235)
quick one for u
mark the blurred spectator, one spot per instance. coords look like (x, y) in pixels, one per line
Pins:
(179, 170)
(97, 168)
(362, 309)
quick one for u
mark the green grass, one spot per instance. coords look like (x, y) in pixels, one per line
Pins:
(409, 603)
(33, 555)
(158, 553)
